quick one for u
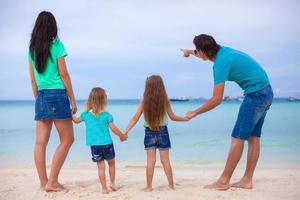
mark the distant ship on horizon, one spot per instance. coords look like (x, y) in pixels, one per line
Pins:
(183, 98)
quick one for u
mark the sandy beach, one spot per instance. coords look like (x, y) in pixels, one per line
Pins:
(270, 182)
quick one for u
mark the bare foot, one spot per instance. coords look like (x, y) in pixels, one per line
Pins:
(217, 186)
(104, 191)
(243, 184)
(171, 187)
(148, 189)
(113, 187)
(55, 187)
(42, 187)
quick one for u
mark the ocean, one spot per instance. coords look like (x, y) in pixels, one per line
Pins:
(205, 139)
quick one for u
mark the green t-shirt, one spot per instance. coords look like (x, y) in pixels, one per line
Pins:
(50, 78)
(233, 65)
(97, 128)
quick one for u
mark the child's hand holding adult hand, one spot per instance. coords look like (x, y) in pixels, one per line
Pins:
(186, 118)
(73, 117)
(123, 137)
(191, 114)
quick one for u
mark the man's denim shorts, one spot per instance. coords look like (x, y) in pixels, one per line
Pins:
(52, 104)
(157, 139)
(252, 114)
(102, 152)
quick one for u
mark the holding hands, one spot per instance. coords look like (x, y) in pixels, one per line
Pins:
(123, 137)
(185, 118)
(190, 114)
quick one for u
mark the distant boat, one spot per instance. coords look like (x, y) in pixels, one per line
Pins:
(228, 98)
(179, 99)
(293, 99)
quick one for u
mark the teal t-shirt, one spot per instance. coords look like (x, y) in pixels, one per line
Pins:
(233, 65)
(97, 128)
(50, 78)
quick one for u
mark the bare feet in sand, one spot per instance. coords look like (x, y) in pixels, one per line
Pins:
(113, 187)
(42, 187)
(55, 187)
(171, 187)
(148, 189)
(218, 186)
(243, 184)
(105, 191)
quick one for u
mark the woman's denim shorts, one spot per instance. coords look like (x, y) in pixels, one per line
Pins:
(252, 114)
(157, 139)
(52, 104)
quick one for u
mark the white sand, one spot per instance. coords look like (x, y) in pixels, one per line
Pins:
(271, 182)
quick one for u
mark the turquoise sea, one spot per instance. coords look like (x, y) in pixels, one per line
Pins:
(205, 139)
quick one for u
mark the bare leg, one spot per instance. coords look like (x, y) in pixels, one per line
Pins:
(66, 136)
(233, 158)
(102, 177)
(165, 161)
(151, 159)
(43, 130)
(112, 174)
(252, 158)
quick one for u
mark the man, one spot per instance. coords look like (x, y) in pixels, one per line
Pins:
(232, 65)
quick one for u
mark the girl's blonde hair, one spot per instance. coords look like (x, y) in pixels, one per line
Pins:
(155, 102)
(97, 101)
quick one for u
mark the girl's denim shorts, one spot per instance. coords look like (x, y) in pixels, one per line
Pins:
(157, 139)
(52, 104)
(103, 152)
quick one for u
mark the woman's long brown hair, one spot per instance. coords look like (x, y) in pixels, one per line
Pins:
(155, 102)
(97, 101)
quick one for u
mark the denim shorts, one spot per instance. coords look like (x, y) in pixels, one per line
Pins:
(52, 104)
(157, 139)
(103, 152)
(252, 114)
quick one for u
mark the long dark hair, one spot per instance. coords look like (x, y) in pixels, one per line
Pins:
(155, 102)
(43, 33)
(207, 44)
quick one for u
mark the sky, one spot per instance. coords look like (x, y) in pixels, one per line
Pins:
(117, 44)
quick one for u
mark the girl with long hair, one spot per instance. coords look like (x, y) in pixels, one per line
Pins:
(156, 106)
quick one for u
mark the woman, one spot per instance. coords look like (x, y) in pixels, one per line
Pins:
(53, 91)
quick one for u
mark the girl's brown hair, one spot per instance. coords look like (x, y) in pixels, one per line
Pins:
(97, 101)
(155, 102)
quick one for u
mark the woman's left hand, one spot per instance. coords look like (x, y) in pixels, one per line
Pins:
(74, 107)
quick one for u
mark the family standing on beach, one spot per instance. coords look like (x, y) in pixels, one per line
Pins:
(55, 104)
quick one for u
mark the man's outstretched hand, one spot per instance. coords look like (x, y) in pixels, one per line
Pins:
(185, 52)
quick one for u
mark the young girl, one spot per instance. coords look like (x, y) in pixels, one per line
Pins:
(155, 105)
(98, 121)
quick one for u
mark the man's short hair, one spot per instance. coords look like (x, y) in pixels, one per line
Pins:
(207, 45)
